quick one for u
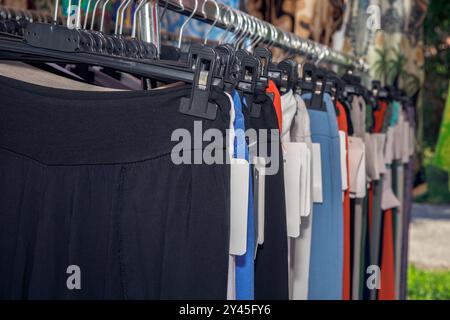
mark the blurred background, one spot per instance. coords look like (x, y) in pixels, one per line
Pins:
(406, 43)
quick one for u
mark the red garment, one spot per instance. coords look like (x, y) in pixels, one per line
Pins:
(387, 290)
(379, 116)
(272, 89)
(346, 286)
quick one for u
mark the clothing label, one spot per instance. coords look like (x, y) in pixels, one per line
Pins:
(308, 203)
(239, 184)
(259, 188)
(292, 155)
(389, 148)
(380, 141)
(303, 180)
(342, 140)
(256, 195)
(317, 173)
(357, 167)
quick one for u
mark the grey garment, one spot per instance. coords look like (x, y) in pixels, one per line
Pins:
(400, 181)
(358, 116)
(30, 74)
(407, 203)
(375, 237)
(357, 241)
(300, 248)
(104, 80)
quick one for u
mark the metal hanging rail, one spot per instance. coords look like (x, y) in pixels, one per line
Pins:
(266, 32)
(233, 20)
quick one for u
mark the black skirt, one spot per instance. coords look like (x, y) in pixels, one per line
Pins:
(87, 180)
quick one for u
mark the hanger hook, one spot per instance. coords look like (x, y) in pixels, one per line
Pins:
(227, 22)
(265, 34)
(166, 3)
(186, 22)
(261, 29)
(102, 21)
(135, 16)
(273, 35)
(55, 14)
(122, 15)
(215, 19)
(86, 16)
(94, 10)
(69, 11)
(268, 34)
(242, 24)
(180, 4)
(78, 16)
(255, 30)
(247, 30)
(118, 14)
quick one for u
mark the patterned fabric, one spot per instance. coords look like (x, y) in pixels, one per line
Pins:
(314, 19)
(395, 52)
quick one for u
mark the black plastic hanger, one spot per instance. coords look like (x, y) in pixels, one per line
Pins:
(305, 83)
(288, 75)
(54, 43)
(247, 84)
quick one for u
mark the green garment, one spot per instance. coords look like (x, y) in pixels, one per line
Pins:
(395, 106)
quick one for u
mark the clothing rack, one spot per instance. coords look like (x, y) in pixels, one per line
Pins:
(232, 20)
(229, 19)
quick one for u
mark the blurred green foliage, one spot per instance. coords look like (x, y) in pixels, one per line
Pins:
(428, 285)
(437, 74)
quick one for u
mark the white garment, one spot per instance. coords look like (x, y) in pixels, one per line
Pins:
(398, 136)
(358, 116)
(406, 143)
(301, 132)
(289, 109)
(300, 248)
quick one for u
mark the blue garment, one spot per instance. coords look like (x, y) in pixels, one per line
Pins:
(245, 271)
(326, 262)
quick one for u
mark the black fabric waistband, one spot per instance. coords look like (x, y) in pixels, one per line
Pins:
(68, 127)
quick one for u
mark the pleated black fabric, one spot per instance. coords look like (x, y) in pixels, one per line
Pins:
(86, 179)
